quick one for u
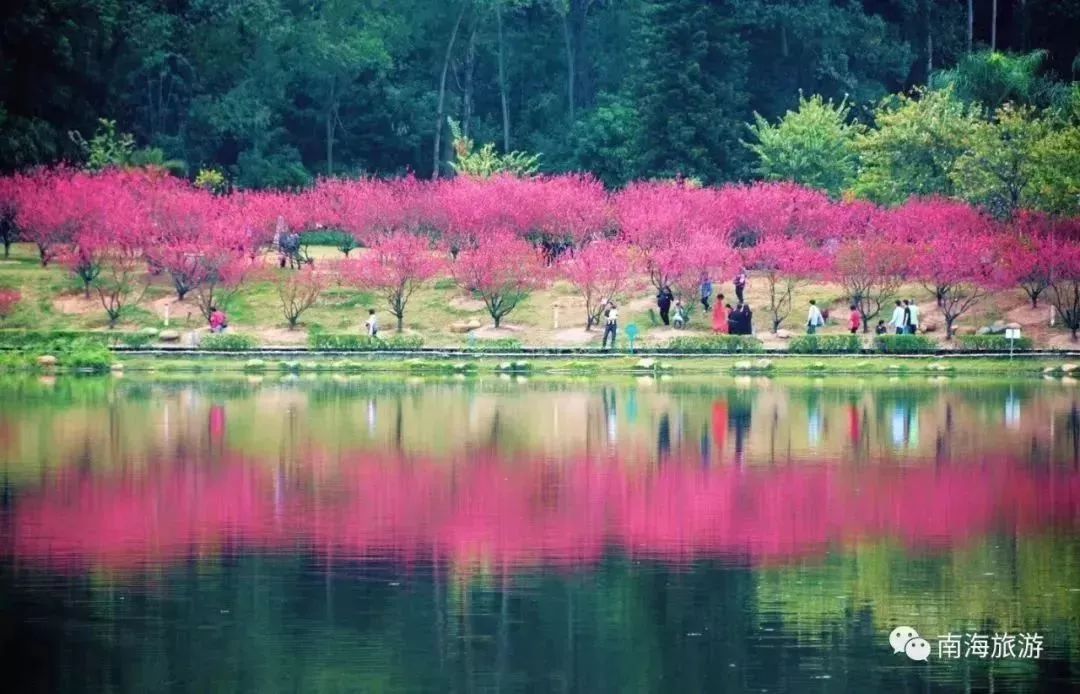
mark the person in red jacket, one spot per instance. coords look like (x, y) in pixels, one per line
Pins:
(854, 320)
(218, 320)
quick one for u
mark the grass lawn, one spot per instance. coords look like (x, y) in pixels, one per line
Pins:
(554, 317)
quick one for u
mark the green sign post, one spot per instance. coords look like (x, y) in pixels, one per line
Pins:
(631, 334)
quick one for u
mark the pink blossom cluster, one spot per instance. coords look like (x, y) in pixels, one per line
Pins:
(504, 236)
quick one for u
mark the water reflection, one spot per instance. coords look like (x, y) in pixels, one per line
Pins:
(674, 535)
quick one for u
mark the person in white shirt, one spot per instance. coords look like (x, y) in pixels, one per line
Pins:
(814, 319)
(611, 324)
(897, 320)
(913, 318)
(372, 324)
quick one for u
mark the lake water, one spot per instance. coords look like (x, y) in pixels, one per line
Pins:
(167, 533)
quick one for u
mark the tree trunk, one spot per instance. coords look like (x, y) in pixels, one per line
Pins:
(7, 248)
(971, 24)
(467, 95)
(331, 122)
(929, 41)
(441, 110)
(929, 52)
(993, 26)
(570, 76)
(400, 322)
(502, 82)
(1024, 26)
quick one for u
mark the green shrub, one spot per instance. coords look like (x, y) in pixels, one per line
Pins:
(328, 237)
(502, 344)
(992, 343)
(139, 339)
(59, 339)
(714, 344)
(904, 344)
(87, 355)
(825, 344)
(362, 343)
(228, 342)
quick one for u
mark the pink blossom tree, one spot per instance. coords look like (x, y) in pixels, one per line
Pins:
(222, 259)
(121, 283)
(926, 222)
(962, 268)
(470, 209)
(180, 218)
(395, 266)
(602, 270)
(48, 201)
(1065, 282)
(681, 234)
(9, 301)
(871, 269)
(298, 291)
(1027, 252)
(567, 211)
(502, 271)
(785, 263)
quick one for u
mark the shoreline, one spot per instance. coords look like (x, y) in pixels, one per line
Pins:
(1058, 366)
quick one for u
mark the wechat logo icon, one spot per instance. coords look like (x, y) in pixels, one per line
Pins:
(907, 641)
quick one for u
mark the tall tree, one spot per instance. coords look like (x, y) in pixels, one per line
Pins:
(440, 114)
(338, 41)
(814, 146)
(691, 88)
(915, 145)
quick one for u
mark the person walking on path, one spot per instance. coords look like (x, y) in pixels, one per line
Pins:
(814, 319)
(372, 324)
(897, 320)
(913, 317)
(706, 291)
(854, 319)
(905, 326)
(663, 302)
(720, 316)
(611, 324)
(740, 285)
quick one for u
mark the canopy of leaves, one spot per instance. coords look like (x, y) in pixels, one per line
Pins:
(813, 146)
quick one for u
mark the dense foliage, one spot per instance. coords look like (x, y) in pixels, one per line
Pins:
(271, 93)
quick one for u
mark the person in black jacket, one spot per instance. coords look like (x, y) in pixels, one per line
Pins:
(663, 302)
(745, 321)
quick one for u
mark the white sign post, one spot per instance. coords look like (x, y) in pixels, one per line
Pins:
(1012, 335)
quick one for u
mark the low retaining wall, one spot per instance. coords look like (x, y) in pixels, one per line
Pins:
(540, 352)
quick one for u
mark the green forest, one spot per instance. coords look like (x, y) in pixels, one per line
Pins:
(877, 98)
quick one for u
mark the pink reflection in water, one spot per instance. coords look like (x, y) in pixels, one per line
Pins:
(499, 513)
